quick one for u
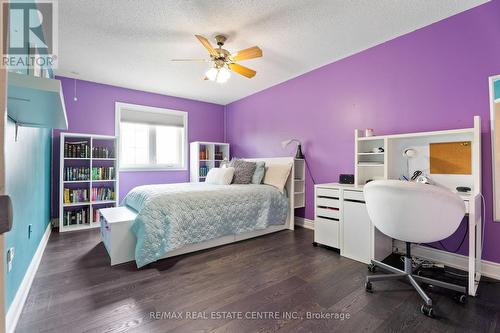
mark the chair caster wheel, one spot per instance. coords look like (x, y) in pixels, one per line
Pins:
(427, 310)
(372, 268)
(315, 244)
(368, 287)
(460, 298)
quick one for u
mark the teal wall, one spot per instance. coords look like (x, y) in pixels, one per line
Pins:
(28, 184)
(497, 89)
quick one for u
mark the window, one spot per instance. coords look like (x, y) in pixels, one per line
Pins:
(151, 138)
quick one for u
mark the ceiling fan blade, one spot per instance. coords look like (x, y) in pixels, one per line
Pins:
(245, 71)
(198, 60)
(250, 53)
(207, 45)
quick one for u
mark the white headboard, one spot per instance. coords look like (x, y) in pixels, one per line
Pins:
(290, 223)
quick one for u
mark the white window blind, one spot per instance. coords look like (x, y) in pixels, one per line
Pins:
(151, 138)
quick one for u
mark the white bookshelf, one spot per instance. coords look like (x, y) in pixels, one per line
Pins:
(205, 156)
(299, 179)
(87, 160)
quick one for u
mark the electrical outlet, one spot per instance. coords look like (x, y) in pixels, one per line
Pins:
(30, 230)
(10, 258)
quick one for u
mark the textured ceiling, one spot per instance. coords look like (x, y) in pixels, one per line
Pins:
(130, 43)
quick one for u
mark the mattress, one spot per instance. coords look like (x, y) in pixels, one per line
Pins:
(174, 215)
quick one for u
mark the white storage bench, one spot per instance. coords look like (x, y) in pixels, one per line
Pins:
(116, 235)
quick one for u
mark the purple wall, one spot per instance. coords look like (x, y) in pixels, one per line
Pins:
(94, 113)
(432, 79)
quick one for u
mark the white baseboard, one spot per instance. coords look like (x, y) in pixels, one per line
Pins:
(304, 223)
(16, 307)
(488, 268)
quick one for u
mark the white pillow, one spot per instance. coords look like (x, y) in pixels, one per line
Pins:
(220, 176)
(276, 175)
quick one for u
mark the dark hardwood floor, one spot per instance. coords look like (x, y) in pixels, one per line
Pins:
(75, 290)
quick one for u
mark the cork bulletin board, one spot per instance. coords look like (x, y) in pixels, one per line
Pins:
(451, 158)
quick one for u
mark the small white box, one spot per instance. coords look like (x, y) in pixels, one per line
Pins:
(117, 237)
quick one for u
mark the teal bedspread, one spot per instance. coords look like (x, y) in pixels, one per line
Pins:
(174, 215)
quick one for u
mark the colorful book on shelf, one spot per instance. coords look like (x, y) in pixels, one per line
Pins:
(102, 194)
(75, 195)
(76, 173)
(76, 149)
(103, 173)
(102, 152)
(76, 217)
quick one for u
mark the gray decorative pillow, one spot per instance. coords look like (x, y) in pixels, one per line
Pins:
(258, 175)
(243, 171)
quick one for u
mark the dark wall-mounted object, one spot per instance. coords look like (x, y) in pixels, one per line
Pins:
(5, 214)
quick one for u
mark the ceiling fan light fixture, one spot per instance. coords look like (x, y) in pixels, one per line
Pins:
(223, 75)
(219, 75)
(224, 62)
(211, 74)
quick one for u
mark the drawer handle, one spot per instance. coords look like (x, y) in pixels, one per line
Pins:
(328, 218)
(326, 197)
(352, 200)
(329, 208)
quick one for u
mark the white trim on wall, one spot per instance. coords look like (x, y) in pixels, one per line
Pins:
(16, 307)
(304, 223)
(493, 101)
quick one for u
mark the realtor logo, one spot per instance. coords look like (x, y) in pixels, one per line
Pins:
(29, 35)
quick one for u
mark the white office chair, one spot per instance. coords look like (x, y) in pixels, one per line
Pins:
(413, 213)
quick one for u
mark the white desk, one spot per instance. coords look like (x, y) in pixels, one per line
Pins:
(341, 221)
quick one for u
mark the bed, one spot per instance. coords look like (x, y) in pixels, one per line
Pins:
(160, 221)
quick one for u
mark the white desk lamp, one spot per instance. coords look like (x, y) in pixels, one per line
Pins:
(299, 154)
(409, 153)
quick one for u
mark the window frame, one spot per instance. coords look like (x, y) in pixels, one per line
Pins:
(148, 167)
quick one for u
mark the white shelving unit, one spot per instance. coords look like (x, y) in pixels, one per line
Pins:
(299, 183)
(205, 156)
(89, 161)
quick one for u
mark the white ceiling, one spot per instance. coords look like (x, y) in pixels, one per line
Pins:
(130, 43)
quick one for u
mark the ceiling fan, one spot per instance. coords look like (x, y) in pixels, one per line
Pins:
(223, 61)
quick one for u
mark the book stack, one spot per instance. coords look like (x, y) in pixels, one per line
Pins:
(102, 194)
(103, 173)
(76, 173)
(218, 155)
(102, 152)
(74, 217)
(97, 216)
(77, 149)
(203, 171)
(76, 195)
(204, 154)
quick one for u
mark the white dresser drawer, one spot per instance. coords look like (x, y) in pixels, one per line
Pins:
(327, 192)
(330, 213)
(327, 232)
(327, 202)
(354, 195)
